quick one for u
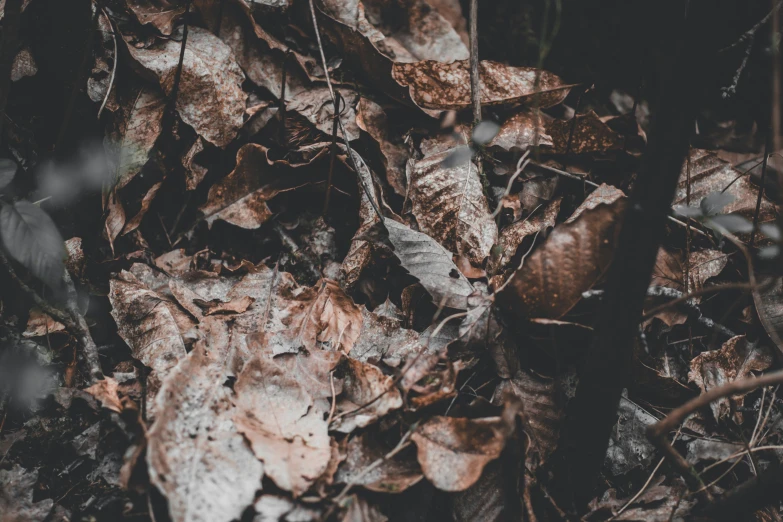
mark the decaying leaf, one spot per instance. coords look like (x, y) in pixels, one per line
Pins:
(769, 306)
(285, 426)
(571, 261)
(393, 475)
(359, 510)
(655, 504)
(450, 206)
(453, 451)
(141, 129)
(584, 135)
(519, 132)
(513, 235)
(40, 324)
(210, 97)
(628, 444)
(364, 383)
(240, 198)
(195, 455)
(371, 118)
(431, 264)
(443, 86)
(709, 175)
(542, 412)
(146, 323)
(383, 339)
(669, 271)
(360, 252)
(737, 359)
(162, 14)
(17, 486)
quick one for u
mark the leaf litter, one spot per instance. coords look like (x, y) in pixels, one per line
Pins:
(285, 338)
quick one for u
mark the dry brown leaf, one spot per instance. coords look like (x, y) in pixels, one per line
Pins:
(194, 171)
(195, 455)
(543, 409)
(40, 324)
(669, 271)
(286, 428)
(371, 118)
(384, 340)
(210, 97)
(162, 14)
(769, 306)
(450, 206)
(24, 65)
(393, 475)
(518, 133)
(431, 264)
(587, 134)
(453, 451)
(17, 486)
(573, 258)
(363, 383)
(710, 174)
(360, 253)
(737, 359)
(146, 323)
(480, 331)
(133, 223)
(240, 198)
(603, 195)
(513, 235)
(359, 510)
(140, 129)
(655, 504)
(105, 392)
(436, 85)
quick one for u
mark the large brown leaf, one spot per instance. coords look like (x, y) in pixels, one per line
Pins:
(436, 85)
(210, 97)
(240, 198)
(710, 174)
(450, 206)
(571, 261)
(431, 264)
(393, 475)
(736, 359)
(195, 455)
(285, 426)
(453, 451)
(518, 132)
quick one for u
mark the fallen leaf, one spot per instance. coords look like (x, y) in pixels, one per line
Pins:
(162, 14)
(450, 206)
(543, 409)
(393, 475)
(133, 223)
(359, 510)
(769, 306)
(194, 171)
(431, 264)
(736, 359)
(371, 118)
(195, 455)
(442, 86)
(657, 503)
(573, 258)
(210, 98)
(453, 451)
(40, 324)
(24, 65)
(105, 392)
(513, 235)
(240, 198)
(603, 195)
(710, 175)
(585, 134)
(360, 252)
(384, 340)
(140, 129)
(363, 383)
(485, 500)
(518, 133)
(628, 445)
(286, 428)
(17, 486)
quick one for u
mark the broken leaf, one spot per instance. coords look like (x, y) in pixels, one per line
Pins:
(17, 486)
(585, 134)
(393, 475)
(365, 383)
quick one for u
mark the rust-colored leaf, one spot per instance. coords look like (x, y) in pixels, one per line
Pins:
(393, 475)
(162, 14)
(364, 383)
(450, 206)
(210, 97)
(588, 134)
(195, 455)
(371, 118)
(573, 258)
(436, 85)
(737, 359)
(453, 451)
(519, 132)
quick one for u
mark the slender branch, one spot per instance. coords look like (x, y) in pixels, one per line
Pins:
(761, 188)
(71, 318)
(114, 65)
(475, 83)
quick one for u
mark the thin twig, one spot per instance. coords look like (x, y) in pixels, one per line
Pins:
(475, 83)
(696, 293)
(71, 318)
(521, 164)
(114, 65)
(761, 189)
(337, 112)
(332, 156)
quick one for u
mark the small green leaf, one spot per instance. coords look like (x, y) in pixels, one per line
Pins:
(31, 237)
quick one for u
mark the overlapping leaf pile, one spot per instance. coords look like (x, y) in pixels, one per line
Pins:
(337, 303)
